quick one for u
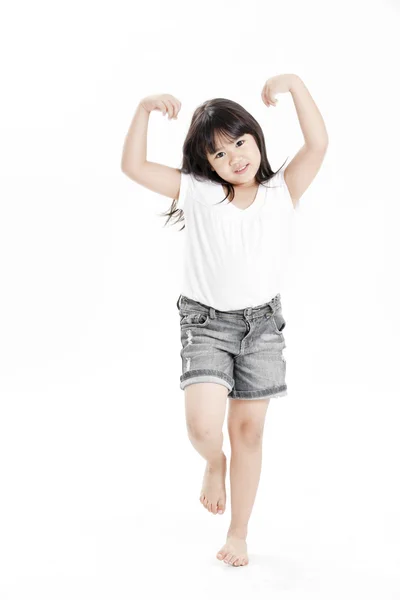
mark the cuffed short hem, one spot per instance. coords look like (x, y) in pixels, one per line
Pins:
(275, 392)
(206, 376)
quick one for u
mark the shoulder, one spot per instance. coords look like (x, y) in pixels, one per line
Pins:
(276, 180)
(278, 183)
(194, 187)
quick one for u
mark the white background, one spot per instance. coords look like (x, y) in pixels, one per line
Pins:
(99, 481)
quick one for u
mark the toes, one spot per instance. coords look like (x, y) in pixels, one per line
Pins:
(232, 559)
(228, 557)
(235, 561)
(214, 508)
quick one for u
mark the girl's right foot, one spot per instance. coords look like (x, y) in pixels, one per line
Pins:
(213, 494)
(234, 551)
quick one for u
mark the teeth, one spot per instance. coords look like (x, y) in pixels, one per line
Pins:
(238, 171)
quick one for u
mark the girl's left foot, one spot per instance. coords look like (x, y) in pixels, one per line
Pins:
(234, 551)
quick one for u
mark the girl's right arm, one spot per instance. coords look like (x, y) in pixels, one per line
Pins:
(134, 164)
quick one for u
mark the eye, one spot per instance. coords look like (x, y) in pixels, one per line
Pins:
(236, 143)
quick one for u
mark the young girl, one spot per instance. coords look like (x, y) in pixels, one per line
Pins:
(238, 214)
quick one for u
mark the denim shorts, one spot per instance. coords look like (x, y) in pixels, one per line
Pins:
(240, 349)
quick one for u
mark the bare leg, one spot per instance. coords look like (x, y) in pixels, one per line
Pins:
(245, 426)
(205, 405)
(245, 470)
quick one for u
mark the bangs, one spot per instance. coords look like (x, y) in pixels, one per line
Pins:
(224, 133)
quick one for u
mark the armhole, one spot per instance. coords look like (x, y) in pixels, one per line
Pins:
(185, 186)
(282, 182)
(280, 178)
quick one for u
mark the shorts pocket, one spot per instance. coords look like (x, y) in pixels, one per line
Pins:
(278, 322)
(199, 319)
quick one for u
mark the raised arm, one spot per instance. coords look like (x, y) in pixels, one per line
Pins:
(135, 146)
(159, 178)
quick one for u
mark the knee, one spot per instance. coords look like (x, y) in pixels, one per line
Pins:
(201, 432)
(249, 433)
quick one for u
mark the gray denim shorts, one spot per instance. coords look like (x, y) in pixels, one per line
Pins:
(240, 349)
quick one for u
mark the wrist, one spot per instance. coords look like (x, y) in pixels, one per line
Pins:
(294, 81)
(143, 109)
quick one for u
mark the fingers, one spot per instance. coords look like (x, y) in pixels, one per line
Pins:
(178, 106)
(270, 100)
(172, 107)
(267, 98)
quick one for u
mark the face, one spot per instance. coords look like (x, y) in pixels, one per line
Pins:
(230, 156)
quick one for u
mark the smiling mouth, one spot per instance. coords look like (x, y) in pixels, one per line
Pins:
(243, 170)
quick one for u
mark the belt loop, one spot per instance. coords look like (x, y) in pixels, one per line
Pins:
(177, 304)
(271, 306)
(212, 312)
(275, 303)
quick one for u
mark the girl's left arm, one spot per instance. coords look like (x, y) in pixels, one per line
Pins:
(310, 119)
(304, 166)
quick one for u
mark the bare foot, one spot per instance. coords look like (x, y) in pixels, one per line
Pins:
(234, 551)
(213, 494)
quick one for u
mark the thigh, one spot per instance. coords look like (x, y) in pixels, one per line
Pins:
(205, 407)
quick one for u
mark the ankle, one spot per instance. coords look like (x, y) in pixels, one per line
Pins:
(237, 531)
(214, 464)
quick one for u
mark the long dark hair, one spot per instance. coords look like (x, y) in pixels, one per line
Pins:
(231, 120)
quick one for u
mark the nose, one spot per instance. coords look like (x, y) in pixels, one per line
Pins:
(236, 161)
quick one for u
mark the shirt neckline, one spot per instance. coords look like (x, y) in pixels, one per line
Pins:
(257, 202)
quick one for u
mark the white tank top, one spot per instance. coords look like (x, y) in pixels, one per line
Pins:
(235, 258)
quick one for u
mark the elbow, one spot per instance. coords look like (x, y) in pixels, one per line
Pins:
(126, 170)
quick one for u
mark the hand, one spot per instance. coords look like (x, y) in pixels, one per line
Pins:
(162, 102)
(279, 84)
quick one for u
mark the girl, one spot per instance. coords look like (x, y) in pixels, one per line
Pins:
(238, 214)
